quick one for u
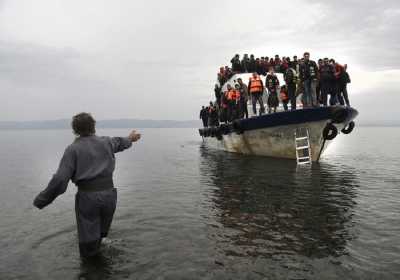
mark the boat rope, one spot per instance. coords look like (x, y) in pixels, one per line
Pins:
(320, 151)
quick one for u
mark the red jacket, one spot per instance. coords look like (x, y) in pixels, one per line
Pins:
(339, 69)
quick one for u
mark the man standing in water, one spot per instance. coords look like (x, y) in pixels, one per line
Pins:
(89, 163)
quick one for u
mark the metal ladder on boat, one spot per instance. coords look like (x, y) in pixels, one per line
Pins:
(303, 149)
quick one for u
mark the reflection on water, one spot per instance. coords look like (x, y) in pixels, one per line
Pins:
(272, 208)
(186, 212)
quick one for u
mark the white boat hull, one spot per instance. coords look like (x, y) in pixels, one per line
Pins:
(274, 135)
(276, 141)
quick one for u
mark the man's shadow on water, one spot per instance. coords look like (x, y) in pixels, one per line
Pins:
(271, 207)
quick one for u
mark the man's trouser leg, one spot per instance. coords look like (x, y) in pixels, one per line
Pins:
(234, 111)
(224, 114)
(307, 93)
(339, 94)
(292, 95)
(318, 92)
(340, 98)
(342, 95)
(333, 92)
(245, 110)
(313, 95)
(324, 93)
(254, 101)
(94, 213)
(345, 95)
(109, 202)
(260, 100)
(230, 111)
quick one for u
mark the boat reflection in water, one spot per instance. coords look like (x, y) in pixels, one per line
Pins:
(272, 209)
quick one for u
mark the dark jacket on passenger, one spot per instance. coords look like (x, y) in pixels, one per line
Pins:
(327, 73)
(252, 65)
(245, 64)
(204, 114)
(308, 70)
(289, 76)
(271, 82)
(347, 77)
(236, 65)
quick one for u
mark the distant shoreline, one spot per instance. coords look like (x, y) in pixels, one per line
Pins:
(121, 123)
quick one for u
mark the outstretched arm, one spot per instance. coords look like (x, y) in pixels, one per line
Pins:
(122, 143)
(59, 182)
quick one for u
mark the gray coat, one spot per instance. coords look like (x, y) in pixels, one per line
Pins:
(87, 158)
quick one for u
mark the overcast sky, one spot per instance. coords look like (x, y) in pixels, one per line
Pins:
(158, 59)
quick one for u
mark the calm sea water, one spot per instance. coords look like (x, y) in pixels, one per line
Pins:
(189, 212)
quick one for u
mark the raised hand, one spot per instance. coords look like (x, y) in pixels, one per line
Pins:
(134, 136)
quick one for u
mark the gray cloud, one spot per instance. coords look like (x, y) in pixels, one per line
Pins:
(367, 31)
(30, 66)
(41, 82)
(158, 60)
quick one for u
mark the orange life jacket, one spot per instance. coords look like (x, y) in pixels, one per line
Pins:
(255, 85)
(236, 94)
(231, 96)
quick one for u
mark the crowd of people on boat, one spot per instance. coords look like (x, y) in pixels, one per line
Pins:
(314, 81)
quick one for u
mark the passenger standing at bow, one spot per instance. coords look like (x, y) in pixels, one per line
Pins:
(341, 84)
(244, 97)
(217, 91)
(309, 78)
(238, 103)
(327, 80)
(223, 109)
(204, 116)
(284, 97)
(272, 83)
(291, 81)
(236, 65)
(346, 80)
(212, 115)
(233, 97)
(256, 89)
(89, 162)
